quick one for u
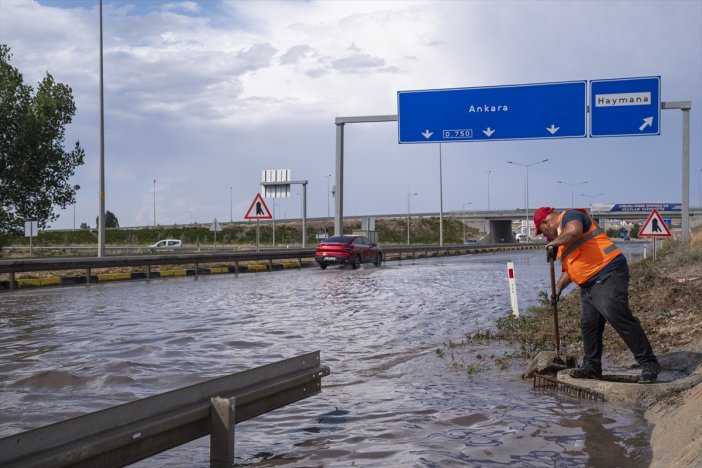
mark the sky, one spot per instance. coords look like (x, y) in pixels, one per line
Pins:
(201, 96)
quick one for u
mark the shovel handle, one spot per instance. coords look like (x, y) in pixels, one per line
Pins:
(554, 305)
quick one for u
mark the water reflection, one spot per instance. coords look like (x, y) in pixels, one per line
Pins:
(389, 400)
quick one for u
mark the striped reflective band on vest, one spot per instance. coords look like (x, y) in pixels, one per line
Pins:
(584, 239)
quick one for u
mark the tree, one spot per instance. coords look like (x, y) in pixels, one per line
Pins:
(634, 231)
(34, 167)
(110, 220)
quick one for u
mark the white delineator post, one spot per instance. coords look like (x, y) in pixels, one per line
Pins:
(512, 288)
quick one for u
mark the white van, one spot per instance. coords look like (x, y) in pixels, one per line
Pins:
(521, 237)
(167, 244)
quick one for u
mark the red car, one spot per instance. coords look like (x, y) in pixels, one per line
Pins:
(354, 250)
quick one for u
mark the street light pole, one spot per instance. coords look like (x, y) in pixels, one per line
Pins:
(572, 203)
(408, 212)
(274, 221)
(328, 193)
(591, 197)
(528, 229)
(101, 216)
(231, 216)
(464, 221)
(488, 174)
(154, 202)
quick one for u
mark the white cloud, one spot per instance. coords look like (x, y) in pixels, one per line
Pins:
(205, 94)
(187, 7)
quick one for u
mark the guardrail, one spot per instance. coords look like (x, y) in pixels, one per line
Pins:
(26, 265)
(134, 431)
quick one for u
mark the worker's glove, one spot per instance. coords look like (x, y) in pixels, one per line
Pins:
(555, 297)
(551, 252)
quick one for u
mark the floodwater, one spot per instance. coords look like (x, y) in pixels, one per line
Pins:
(391, 399)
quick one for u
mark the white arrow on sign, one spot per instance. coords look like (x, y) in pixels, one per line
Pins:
(427, 133)
(553, 129)
(488, 132)
(648, 121)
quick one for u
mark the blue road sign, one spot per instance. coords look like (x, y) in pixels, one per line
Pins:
(532, 111)
(625, 107)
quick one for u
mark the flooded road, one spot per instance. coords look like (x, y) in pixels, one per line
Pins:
(390, 400)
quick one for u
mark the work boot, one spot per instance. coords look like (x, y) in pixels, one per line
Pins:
(588, 371)
(649, 372)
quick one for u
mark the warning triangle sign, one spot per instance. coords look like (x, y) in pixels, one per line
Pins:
(654, 226)
(258, 209)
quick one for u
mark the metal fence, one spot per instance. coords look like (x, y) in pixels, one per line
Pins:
(134, 431)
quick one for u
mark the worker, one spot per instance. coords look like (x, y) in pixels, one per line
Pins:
(592, 261)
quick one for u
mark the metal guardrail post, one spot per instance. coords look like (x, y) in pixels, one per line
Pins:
(127, 433)
(222, 421)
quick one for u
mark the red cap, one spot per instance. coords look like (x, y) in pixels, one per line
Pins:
(539, 215)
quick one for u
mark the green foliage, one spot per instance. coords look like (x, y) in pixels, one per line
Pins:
(110, 220)
(422, 230)
(634, 231)
(34, 167)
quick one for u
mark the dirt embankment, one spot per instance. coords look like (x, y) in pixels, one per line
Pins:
(666, 296)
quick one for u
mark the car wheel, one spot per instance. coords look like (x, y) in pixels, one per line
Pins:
(378, 260)
(323, 266)
(356, 262)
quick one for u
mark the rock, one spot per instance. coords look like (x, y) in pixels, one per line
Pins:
(548, 363)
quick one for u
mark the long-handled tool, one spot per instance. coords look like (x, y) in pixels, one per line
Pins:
(554, 303)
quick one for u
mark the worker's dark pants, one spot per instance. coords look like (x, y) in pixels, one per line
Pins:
(608, 301)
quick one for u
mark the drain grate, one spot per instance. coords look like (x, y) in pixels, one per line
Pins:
(544, 382)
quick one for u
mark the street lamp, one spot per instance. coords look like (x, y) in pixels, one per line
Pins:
(408, 213)
(528, 230)
(328, 193)
(274, 221)
(231, 216)
(488, 174)
(464, 221)
(591, 197)
(572, 205)
(154, 202)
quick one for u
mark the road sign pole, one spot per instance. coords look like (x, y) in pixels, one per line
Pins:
(339, 194)
(686, 175)
(258, 227)
(685, 106)
(304, 214)
(441, 203)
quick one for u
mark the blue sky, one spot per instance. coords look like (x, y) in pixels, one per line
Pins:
(204, 95)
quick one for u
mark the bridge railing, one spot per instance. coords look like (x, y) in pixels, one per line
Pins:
(134, 431)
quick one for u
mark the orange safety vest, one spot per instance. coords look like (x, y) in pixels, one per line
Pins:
(588, 254)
